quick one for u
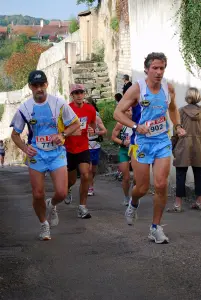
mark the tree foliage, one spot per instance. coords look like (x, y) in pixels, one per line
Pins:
(189, 16)
(73, 25)
(87, 2)
(9, 46)
(20, 64)
(20, 20)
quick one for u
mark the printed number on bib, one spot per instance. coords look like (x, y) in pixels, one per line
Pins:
(156, 127)
(83, 123)
(45, 143)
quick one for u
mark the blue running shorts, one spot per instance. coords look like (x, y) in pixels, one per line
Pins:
(148, 152)
(94, 156)
(48, 160)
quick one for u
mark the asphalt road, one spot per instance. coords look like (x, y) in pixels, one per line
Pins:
(97, 259)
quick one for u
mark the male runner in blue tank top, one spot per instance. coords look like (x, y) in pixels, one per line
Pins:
(151, 99)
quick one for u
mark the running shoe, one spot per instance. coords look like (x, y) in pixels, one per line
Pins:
(52, 215)
(91, 191)
(83, 213)
(69, 197)
(131, 214)
(157, 235)
(45, 232)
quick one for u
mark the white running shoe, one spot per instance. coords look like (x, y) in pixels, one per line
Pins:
(131, 214)
(91, 191)
(52, 215)
(157, 235)
(83, 213)
(45, 232)
(69, 197)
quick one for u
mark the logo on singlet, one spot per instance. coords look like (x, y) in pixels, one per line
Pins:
(145, 103)
(32, 121)
(33, 161)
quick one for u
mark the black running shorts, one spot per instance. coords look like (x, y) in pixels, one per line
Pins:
(75, 159)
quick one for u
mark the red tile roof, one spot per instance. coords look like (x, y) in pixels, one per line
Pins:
(20, 29)
(3, 29)
(59, 23)
(49, 30)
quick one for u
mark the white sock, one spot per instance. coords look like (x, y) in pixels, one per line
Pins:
(82, 206)
(45, 223)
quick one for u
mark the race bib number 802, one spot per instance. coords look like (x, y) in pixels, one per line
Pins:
(45, 143)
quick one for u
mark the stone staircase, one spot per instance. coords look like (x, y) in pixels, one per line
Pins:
(94, 76)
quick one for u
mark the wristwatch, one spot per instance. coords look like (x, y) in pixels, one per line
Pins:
(135, 127)
(178, 125)
(64, 134)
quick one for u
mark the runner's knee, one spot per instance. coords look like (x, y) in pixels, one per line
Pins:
(160, 185)
(38, 195)
(85, 177)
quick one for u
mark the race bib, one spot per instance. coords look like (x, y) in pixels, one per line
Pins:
(83, 123)
(45, 143)
(156, 127)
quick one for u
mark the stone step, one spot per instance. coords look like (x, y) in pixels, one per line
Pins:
(102, 80)
(84, 76)
(91, 64)
(78, 70)
(106, 89)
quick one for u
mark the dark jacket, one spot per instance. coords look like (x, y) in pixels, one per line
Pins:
(187, 149)
(126, 86)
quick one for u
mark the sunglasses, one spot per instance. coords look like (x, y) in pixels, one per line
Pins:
(78, 92)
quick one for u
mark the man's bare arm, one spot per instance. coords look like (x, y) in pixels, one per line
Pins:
(130, 99)
(72, 128)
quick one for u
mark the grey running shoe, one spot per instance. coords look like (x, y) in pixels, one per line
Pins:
(157, 235)
(45, 233)
(131, 214)
(126, 201)
(52, 215)
(83, 213)
(69, 197)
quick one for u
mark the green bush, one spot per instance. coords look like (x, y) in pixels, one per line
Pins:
(106, 110)
(1, 110)
(114, 24)
(98, 51)
(73, 25)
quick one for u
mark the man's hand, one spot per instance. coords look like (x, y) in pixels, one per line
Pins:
(30, 151)
(90, 130)
(142, 129)
(77, 132)
(180, 131)
(57, 139)
(126, 142)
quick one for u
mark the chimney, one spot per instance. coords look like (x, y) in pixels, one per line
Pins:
(60, 24)
(41, 23)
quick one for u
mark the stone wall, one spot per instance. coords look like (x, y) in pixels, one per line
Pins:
(124, 59)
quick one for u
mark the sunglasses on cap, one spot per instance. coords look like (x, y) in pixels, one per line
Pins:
(78, 92)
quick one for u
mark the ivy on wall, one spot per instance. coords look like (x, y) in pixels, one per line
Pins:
(189, 18)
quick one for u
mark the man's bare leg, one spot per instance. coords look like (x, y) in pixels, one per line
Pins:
(161, 170)
(60, 182)
(37, 182)
(84, 184)
(142, 179)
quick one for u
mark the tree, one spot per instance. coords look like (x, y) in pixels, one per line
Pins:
(88, 2)
(73, 25)
(20, 64)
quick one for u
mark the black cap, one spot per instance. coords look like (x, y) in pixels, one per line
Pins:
(37, 76)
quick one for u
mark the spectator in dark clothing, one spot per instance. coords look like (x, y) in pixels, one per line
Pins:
(127, 83)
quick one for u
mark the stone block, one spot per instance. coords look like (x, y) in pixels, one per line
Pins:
(106, 94)
(102, 74)
(84, 76)
(106, 89)
(102, 80)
